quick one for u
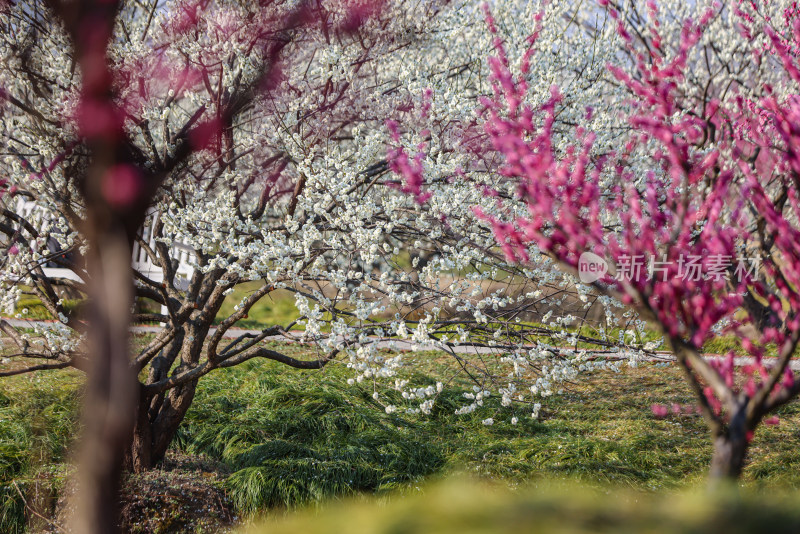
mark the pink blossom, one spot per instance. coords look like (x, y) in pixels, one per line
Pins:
(659, 410)
(696, 203)
(99, 118)
(122, 186)
(772, 421)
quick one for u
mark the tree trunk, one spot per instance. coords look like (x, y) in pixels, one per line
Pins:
(159, 416)
(157, 422)
(138, 457)
(727, 462)
(111, 391)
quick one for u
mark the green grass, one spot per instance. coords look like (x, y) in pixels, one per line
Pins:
(290, 438)
(38, 417)
(277, 308)
(30, 307)
(294, 438)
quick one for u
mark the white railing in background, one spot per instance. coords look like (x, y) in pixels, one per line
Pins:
(141, 262)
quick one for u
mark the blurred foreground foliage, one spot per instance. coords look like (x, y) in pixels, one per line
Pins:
(458, 506)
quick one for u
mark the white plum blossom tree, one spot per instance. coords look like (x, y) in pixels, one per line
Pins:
(254, 136)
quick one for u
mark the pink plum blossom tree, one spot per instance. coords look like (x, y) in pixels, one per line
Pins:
(694, 209)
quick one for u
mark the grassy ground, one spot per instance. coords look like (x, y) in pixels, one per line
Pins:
(282, 438)
(276, 308)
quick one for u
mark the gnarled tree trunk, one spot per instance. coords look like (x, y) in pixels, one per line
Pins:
(160, 415)
(157, 421)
